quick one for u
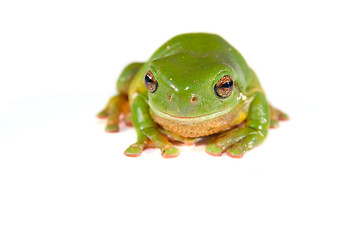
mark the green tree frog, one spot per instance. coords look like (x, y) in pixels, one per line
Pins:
(194, 85)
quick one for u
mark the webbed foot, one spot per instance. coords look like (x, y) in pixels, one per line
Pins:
(236, 142)
(149, 138)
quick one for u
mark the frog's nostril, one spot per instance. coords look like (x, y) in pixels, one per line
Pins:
(169, 97)
(193, 99)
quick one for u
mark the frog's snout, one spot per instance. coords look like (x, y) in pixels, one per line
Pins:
(192, 98)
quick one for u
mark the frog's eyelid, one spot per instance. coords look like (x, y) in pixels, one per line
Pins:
(223, 73)
(220, 75)
(153, 71)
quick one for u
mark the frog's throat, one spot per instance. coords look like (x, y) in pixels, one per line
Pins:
(189, 120)
(200, 126)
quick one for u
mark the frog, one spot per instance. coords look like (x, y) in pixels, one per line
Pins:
(194, 86)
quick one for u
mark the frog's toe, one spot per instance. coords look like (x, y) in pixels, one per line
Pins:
(102, 114)
(111, 128)
(214, 150)
(283, 117)
(235, 152)
(247, 143)
(133, 151)
(170, 152)
(278, 115)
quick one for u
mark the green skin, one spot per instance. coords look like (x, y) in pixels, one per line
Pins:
(187, 68)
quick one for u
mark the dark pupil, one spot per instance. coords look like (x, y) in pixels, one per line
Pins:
(227, 84)
(148, 79)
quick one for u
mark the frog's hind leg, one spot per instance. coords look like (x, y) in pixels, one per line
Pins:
(276, 115)
(118, 104)
(115, 106)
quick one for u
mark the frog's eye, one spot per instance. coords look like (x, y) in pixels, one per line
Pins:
(224, 86)
(150, 82)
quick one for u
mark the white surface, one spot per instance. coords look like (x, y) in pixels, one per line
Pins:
(63, 177)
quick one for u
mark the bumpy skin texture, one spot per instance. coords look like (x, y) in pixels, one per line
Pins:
(186, 106)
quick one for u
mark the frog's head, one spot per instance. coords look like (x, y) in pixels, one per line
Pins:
(186, 86)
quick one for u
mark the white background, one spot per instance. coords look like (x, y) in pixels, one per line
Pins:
(63, 177)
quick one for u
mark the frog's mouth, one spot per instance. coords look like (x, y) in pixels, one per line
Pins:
(189, 120)
(198, 126)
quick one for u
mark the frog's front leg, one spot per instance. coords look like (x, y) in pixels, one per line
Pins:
(148, 134)
(240, 140)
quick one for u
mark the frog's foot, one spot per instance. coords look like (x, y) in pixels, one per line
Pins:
(277, 115)
(135, 150)
(149, 138)
(237, 150)
(116, 105)
(236, 142)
